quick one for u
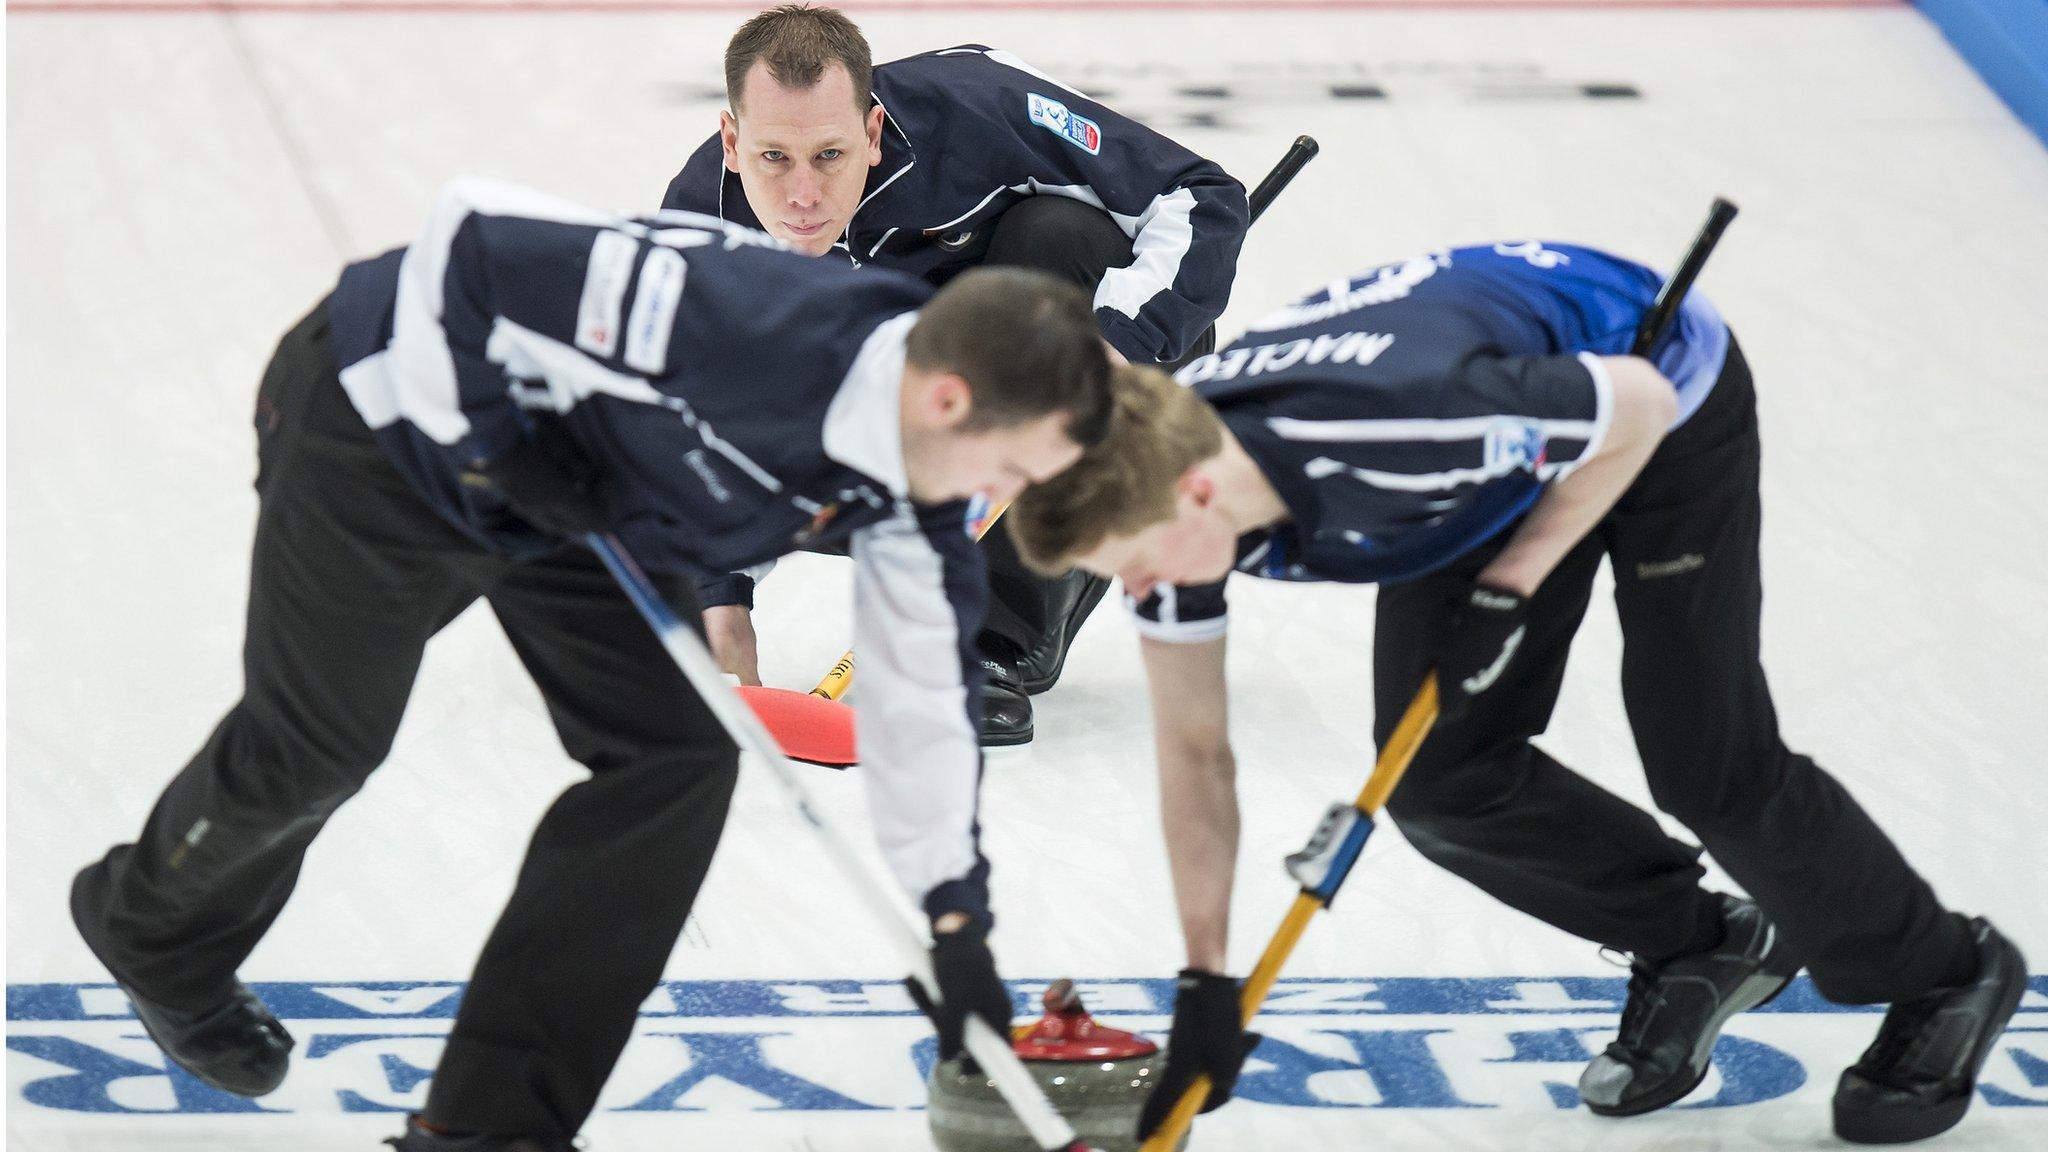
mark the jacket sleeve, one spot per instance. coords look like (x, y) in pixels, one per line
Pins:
(512, 299)
(728, 589)
(919, 595)
(1181, 614)
(1185, 216)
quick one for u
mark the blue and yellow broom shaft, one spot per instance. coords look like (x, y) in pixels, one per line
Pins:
(1341, 854)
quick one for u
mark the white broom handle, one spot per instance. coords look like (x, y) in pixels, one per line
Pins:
(884, 898)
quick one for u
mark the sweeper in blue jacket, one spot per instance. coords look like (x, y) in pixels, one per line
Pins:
(1467, 430)
(438, 431)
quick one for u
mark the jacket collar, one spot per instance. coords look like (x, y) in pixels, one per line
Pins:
(864, 422)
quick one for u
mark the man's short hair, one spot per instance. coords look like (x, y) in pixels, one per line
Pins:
(1027, 344)
(1126, 483)
(799, 42)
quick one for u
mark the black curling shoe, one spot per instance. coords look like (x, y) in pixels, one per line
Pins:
(236, 1045)
(1675, 1011)
(419, 1138)
(1005, 707)
(1073, 597)
(1918, 1077)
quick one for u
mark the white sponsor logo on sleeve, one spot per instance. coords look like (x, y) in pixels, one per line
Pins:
(604, 291)
(654, 311)
(1077, 129)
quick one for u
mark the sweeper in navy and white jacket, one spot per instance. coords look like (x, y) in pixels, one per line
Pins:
(1467, 430)
(530, 371)
(941, 162)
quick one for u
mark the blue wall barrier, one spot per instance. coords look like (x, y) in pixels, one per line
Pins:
(2006, 41)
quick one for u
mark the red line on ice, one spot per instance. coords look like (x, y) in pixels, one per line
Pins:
(656, 7)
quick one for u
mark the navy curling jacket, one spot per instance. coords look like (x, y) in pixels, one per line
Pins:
(744, 399)
(970, 131)
(1410, 413)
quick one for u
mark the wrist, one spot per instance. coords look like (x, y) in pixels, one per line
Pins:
(1207, 991)
(1515, 578)
(1205, 956)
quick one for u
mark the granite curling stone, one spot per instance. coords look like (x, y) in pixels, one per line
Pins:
(1097, 1077)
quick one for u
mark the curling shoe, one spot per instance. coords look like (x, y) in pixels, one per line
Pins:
(1918, 1077)
(1675, 1011)
(1005, 707)
(420, 1138)
(236, 1045)
(1071, 598)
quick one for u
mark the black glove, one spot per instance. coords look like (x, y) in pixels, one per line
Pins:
(1208, 1036)
(968, 986)
(1488, 628)
(547, 481)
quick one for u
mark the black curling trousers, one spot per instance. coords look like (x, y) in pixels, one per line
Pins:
(1031, 618)
(1488, 805)
(352, 575)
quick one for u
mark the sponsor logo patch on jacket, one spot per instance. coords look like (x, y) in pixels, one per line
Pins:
(1079, 130)
(1515, 444)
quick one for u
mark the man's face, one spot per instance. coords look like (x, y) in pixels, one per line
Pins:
(802, 154)
(1197, 546)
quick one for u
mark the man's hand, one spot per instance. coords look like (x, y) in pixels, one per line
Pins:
(968, 986)
(730, 628)
(547, 482)
(1208, 1037)
(1486, 632)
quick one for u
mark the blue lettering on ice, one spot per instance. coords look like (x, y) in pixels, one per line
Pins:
(729, 999)
(75, 1044)
(1751, 1073)
(924, 1056)
(737, 1057)
(1550, 1046)
(87, 1084)
(2033, 1067)
(400, 1075)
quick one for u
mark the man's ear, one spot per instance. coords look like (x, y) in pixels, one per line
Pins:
(875, 116)
(948, 400)
(729, 136)
(1196, 486)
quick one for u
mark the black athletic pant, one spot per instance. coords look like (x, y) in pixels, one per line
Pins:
(352, 575)
(1031, 618)
(1485, 803)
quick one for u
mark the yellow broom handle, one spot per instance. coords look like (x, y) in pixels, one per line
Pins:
(838, 680)
(1394, 760)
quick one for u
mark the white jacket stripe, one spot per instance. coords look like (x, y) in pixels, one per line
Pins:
(1163, 235)
(919, 752)
(418, 382)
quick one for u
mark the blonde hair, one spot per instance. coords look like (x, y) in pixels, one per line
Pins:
(1125, 484)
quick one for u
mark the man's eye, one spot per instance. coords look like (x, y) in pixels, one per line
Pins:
(830, 154)
(772, 156)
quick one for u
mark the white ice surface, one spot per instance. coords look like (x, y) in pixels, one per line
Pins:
(181, 188)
